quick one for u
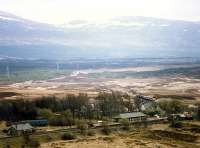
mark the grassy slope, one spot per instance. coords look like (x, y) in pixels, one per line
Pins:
(137, 136)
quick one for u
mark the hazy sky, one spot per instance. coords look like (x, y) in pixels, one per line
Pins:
(61, 11)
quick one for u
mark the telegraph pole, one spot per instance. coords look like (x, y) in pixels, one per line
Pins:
(8, 72)
(57, 67)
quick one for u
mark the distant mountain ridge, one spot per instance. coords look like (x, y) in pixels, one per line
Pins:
(116, 38)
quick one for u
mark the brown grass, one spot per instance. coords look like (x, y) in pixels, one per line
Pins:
(161, 134)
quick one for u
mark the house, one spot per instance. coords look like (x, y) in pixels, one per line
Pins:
(19, 129)
(132, 117)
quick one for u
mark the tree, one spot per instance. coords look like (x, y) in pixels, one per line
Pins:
(68, 117)
(174, 122)
(198, 111)
(172, 107)
(154, 110)
(50, 102)
(137, 103)
(45, 113)
(75, 104)
(110, 104)
(129, 103)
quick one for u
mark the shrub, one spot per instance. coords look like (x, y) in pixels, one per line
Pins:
(26, 138)
(49, 138)
(7, 146)
(176, 124)
(108, 139)
(68, 136)
(91, 133)
(90, 123)
(5, 131)
(82, 126)
(106, 130)
(34, 143)
(125, 124)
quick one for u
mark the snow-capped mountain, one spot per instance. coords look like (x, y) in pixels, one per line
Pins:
(16, 30)
(118, 37)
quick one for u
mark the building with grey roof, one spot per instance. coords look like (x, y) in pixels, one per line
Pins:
(19, 129)
(132, 117)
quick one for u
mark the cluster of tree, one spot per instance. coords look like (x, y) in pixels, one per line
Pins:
(67, 110)
(14, 110)
(64, 111)
(173, 106)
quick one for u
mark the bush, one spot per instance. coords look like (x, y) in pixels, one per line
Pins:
(176, 124)
(106, 130)
(48, 138)
(82, 126)
(5, 131)
(26, 138)
(108, 139)
(7, 146)
(34, 143)
(8, 123)
(68, 136)
(91, 133)
(125, 124)
(90, 124)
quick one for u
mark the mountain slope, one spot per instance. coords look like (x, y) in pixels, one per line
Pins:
(119, 37)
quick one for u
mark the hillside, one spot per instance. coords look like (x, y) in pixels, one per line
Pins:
(118, 37)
